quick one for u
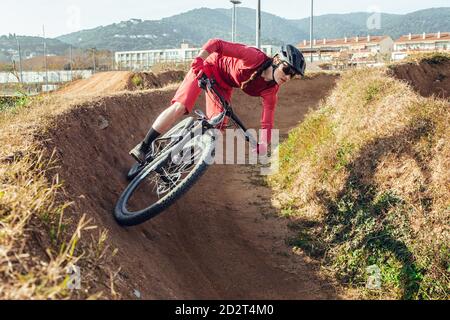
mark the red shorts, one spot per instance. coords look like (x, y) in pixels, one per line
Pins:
(189, 91)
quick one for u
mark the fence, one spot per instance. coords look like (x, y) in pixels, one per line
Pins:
(149, 64)
(41, 77)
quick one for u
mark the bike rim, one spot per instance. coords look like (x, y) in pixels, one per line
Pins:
(153, 185)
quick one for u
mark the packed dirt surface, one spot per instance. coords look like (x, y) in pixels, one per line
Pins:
(115, 81)
(100, 83)
(223, 239)
(426, 78)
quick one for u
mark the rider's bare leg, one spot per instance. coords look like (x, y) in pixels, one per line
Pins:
(168, 117)
(162, 124)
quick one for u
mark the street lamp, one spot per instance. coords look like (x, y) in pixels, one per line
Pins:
(93, 59)
(45, 57)
(234, 18)
(311, 29)
(258, 25)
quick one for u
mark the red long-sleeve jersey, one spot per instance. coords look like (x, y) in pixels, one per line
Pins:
(232, 64)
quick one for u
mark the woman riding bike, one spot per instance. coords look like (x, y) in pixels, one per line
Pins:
(232, 65)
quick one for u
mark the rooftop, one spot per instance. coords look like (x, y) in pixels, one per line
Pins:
(440, 36)
(345, 41)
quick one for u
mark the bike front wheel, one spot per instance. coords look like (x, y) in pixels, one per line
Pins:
(160, 184)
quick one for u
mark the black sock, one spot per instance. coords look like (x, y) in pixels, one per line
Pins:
(149, 138)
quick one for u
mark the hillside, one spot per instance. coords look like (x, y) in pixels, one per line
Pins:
(29, 46)
(429, 21)
(171, 32)
(333, 26)
(395, 25)
(198, 25)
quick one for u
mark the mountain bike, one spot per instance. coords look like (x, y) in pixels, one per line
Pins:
(176, 160)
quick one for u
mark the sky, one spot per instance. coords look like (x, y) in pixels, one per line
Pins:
(66, 16)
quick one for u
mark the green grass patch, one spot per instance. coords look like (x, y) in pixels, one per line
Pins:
(14, 104)
(372, 91)
(343, 156)
(431, 58)
(301, 144)
(137, 81)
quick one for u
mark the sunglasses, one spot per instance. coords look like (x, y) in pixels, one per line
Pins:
(288, 70)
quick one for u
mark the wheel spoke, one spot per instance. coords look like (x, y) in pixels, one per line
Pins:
(171, 173)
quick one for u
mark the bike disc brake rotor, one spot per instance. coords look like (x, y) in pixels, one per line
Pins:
(167, 176)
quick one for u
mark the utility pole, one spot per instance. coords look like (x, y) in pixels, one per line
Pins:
(20, 59)
(113, 61)
(71, 62)
(234, 20)
(311, 29)
(45, 57)
(258, 25)
(93, 58)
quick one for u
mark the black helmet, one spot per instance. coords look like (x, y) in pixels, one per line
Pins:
(294, 57)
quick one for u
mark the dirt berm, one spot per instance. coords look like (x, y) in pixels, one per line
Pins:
(223, 239)
(115, 81)
(427, 77)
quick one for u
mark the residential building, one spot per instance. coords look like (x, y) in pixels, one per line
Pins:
(415, 43)
(51, 76)
(361, 48)
(145, 59)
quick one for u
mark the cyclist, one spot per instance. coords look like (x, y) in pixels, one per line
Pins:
(232, 65)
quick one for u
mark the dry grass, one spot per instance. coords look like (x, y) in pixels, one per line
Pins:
(430, 57)
(367, 179)
(37, 241)
(38, 238)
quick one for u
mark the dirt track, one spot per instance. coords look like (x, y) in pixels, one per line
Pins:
(111, 82)
(100, 83)
(221, 240)
(428, 79)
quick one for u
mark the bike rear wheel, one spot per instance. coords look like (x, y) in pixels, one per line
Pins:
(160, 184)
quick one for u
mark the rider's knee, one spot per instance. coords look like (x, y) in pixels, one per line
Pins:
(179, 108)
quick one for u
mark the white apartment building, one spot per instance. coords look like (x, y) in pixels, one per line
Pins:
(414, 43)
(138, 60)
(145, 59)
(360, 47)
(52, 76)
(374, 44)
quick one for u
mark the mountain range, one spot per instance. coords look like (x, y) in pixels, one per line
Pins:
(30, 46)
(197, 26)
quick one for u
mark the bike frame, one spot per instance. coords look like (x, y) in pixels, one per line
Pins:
(181, 136)
(209, 86)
